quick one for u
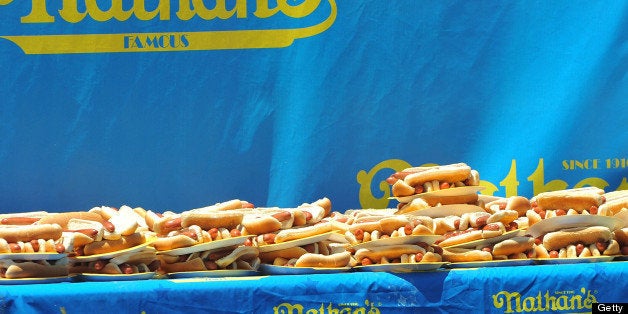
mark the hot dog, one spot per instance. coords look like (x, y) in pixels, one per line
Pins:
(460, 237)
(124, 221)
(80, 229)
(586, 235)
(93, 229)
(417, 180)
(192, 264)
(579, 250)
(383, 253)
(580, 199)
(287, 254)
(519, 204)
(167, 223)
(33, 246)
(414, 205)
(246, 253)
(447, 173)
(302, 232)
(256, 224)
(33, 269)
(443, 225)
(34, 238)
(455, 255)
(124, 263)
(473, 226)
(26, 218)
(336, 260)
(370, 228)
(108, 246)
(231, 205)
(615, 202)
(197, 226)
(173, 242)
(514, 245)
(62, 219)
(240, 257)
(464, 198)
(207, 220)
(325, 204)
(26, 233)
(313, 213)
(621, 235)
(406, 253)
(106, 212)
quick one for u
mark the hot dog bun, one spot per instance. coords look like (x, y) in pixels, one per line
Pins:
(260, 224)
(519, 204)
(389, 252)
(208, 220)
(194, 264)
(401, 188)
(62, 219)
(449, 173)
(240, 252)
(414, 205)
(35, 270)
(107, 246)
(324, 203)
(586, 235)
(615, 202)
(173, 242)
(24, 218)
(287, 253)
(455, 255)
(26, 233)
(435, 200)
(341, 259)
(577, 199)
(302, 232)
(513, 245)
(621, 235)
(461, 237)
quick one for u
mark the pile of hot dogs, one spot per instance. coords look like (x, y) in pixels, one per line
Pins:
(441, 218)
(572, 223)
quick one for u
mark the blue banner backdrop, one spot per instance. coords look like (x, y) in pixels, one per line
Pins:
(172, 105)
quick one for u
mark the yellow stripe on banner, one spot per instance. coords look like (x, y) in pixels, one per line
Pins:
(176, 41)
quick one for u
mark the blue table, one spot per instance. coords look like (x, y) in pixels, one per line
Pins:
(519, 289)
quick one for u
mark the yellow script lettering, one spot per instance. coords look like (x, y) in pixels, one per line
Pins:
(70, 12)
(510, 181)
(296, 11)
(367, 199)
(505, 298)
(219, 11)
(38, 14)
(538, 181)
(287, 308)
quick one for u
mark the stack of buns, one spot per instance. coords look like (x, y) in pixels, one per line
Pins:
(105, 240)
(29, 250)
(419, 187)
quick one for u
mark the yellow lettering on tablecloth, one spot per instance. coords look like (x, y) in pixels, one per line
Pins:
(514, 302)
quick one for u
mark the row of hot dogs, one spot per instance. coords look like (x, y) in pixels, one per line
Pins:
(441, 218)
(572, 223)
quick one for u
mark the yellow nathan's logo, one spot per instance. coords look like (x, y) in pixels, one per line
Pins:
(77, 11)
(510, 183)
(554, 301)
(329, 308)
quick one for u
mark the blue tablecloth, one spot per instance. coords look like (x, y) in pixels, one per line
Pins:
(519, 289)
